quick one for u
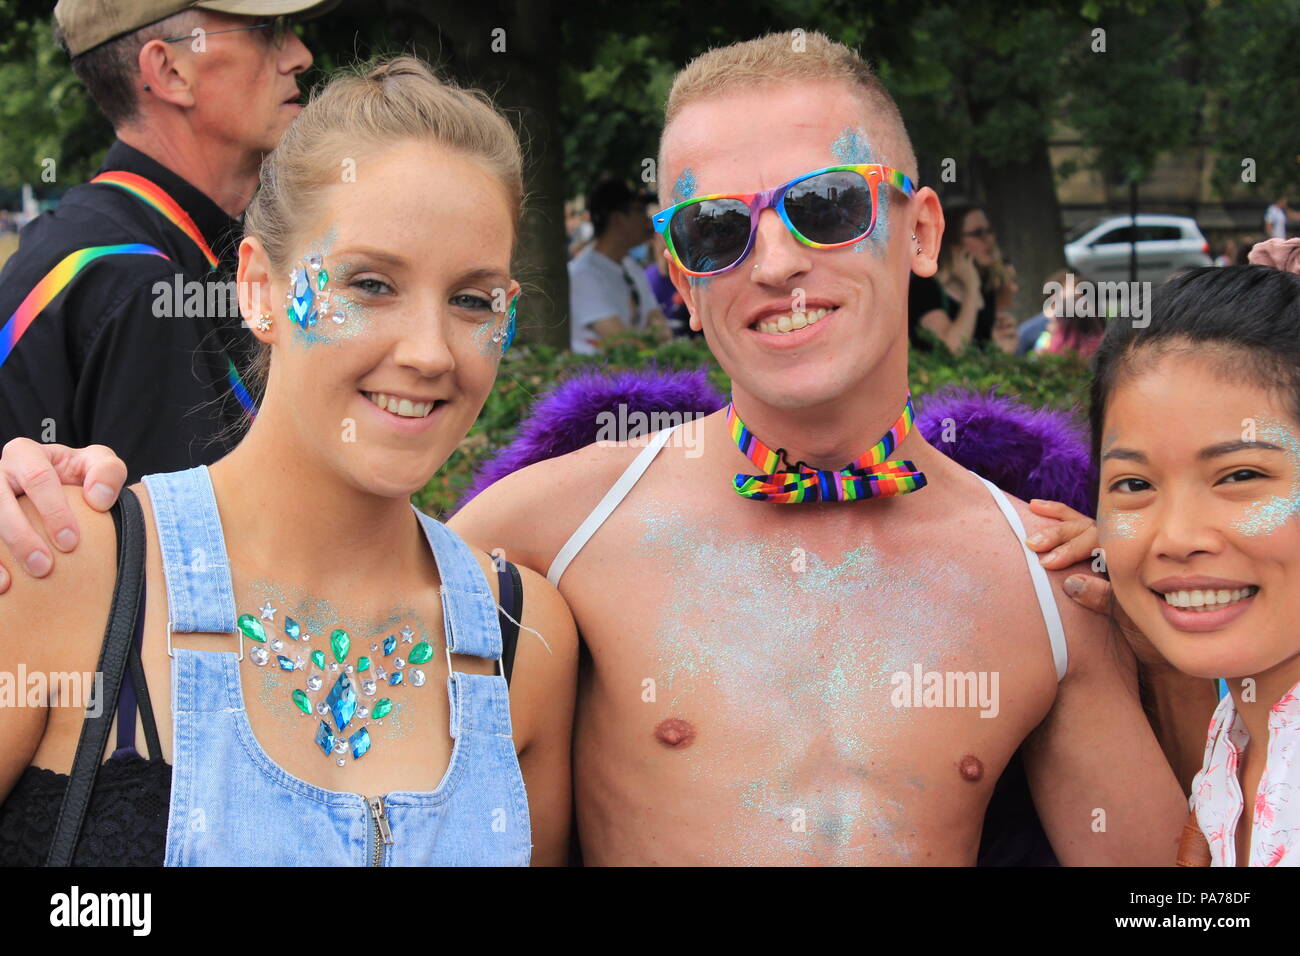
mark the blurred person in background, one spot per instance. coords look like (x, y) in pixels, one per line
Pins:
(608, 291)
(968, 298)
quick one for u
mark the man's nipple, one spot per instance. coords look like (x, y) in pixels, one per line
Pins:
(675, 733)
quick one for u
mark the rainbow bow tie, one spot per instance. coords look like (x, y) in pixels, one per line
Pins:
(869, 476)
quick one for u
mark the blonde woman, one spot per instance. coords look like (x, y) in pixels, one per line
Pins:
(333, 659)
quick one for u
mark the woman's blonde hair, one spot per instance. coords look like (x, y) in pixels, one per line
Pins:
(360, 111)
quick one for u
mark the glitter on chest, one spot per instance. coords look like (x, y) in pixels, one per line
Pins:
(827, 636)
(794, 667)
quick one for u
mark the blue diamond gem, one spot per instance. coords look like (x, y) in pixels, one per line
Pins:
(284, 662)
(342, 702)
(360, 742)
(325, 738)
(395, 678)
(291, 628)
(390, 643)
(302, 306)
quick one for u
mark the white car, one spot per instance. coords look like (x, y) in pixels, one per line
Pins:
(1098, 250)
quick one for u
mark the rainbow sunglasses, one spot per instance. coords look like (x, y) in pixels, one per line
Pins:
(826, 209)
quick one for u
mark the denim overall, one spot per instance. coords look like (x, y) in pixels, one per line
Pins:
(231, 805)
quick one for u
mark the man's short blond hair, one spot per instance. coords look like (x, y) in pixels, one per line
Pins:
(793, 57)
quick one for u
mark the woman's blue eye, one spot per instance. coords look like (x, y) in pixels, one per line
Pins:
(468, 301)
(372, 286)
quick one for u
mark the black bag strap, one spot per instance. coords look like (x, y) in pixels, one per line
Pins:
(510, 587)
(128, 520)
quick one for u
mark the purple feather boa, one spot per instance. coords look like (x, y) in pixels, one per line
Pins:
(1027, 452)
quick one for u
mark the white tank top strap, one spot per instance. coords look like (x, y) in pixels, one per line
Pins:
(1042, 583)
(607, 504)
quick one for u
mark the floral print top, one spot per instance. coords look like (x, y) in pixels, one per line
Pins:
(1216, 791)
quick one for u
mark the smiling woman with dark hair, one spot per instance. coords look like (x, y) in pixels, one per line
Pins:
(1196, 426)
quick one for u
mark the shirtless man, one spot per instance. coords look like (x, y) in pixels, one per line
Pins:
(749, 695)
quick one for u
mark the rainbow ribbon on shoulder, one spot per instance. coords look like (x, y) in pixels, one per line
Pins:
(55, 281)
(868, 476)
(152, 195)
(71, 265)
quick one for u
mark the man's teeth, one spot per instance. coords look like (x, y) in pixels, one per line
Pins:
(400, 406)
(1207, 600)
(789, 323)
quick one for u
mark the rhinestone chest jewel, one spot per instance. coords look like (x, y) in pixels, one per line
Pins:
(351, 688)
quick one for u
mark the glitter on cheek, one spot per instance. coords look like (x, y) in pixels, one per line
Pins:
(1273, 513)
(1118, 524)
(852, 146)
(484, 335)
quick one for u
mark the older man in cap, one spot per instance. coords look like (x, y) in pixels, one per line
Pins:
(117, 322)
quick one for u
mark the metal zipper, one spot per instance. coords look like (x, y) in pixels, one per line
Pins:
(381, 835)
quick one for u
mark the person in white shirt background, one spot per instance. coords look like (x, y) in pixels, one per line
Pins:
(608, 291)
(1276, 217)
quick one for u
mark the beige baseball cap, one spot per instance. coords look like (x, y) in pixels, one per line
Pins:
(88, 23)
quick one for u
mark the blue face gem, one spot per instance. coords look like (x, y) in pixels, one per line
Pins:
(342, 702)
(360, 742)
(284, 662)
(291, 628)
(325, 738)
(390, 642)
(302, 304)
(395, 678)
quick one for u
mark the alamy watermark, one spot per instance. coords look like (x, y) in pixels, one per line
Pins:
(946, 689)
(83, 690)
(622, 425)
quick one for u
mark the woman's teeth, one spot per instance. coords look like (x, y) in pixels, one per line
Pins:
(400, 406)
(789, 323)
(1207, 600)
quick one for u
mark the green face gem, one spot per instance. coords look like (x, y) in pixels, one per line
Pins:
(340, 643)
(302, 701)
(321, 278)
(318, 658)
(421, 653)
(363, 664)
(381, 708)
(252, 628)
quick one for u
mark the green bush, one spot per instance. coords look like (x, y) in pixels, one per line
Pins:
(530, 370)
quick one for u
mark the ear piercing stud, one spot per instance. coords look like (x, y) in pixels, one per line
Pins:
(264, 322)
(918, 243)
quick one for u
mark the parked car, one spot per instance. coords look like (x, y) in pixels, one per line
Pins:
(1098, 250)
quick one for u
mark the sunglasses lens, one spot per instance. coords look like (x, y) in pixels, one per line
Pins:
(830, 209)
(711, 234)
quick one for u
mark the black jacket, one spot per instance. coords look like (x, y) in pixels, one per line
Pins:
(135, 352)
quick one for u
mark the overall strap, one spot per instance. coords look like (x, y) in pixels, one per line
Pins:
(1042, 584)
(128, 520)
(606, 506)
(468, 608)
(200, 595)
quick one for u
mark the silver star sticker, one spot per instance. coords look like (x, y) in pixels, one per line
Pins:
(297, 663)
(408, 635)
(268, 611)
